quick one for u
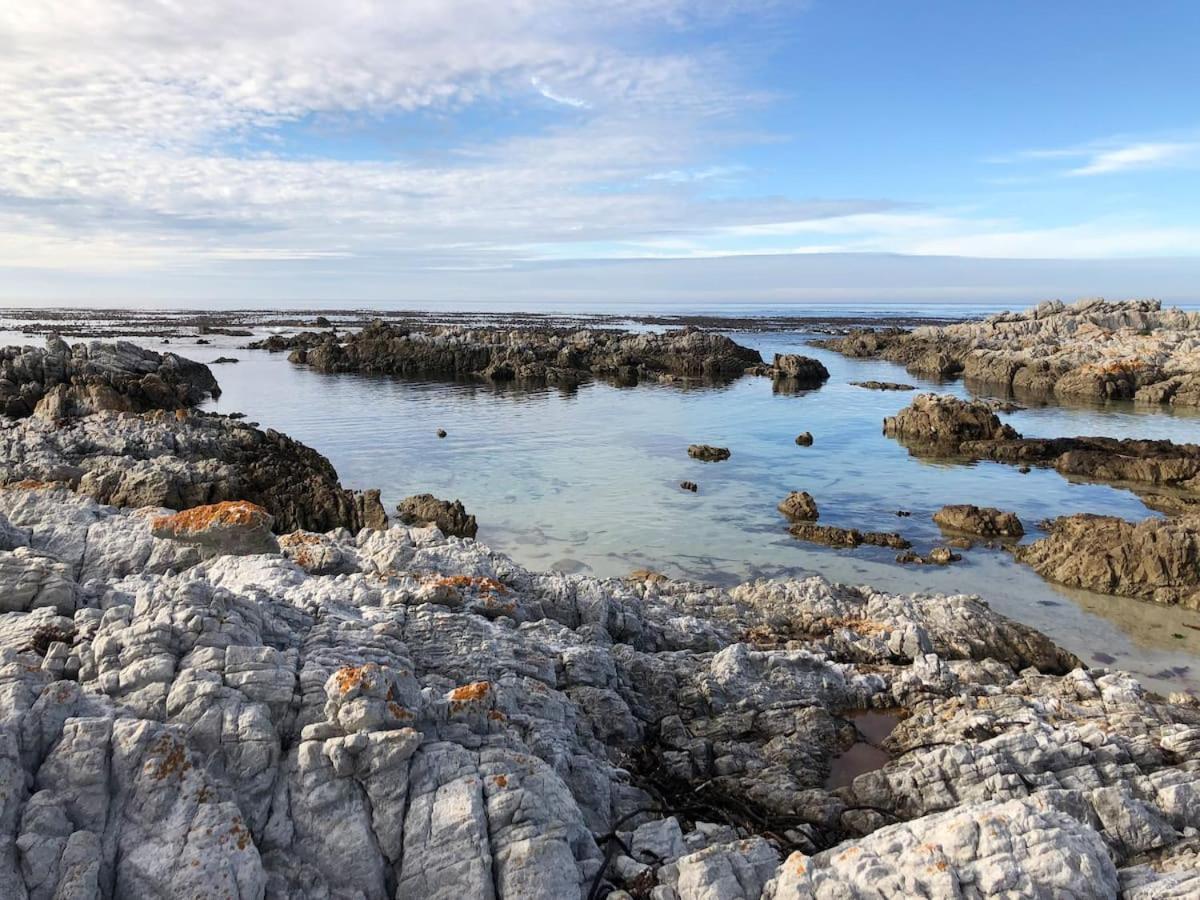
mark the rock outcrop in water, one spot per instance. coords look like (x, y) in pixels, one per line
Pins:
(1155, 559)
(436, 721)
(1091, 350)
(708, 453)
(553, 355)
(1165, 474)
(986, 521)
(60, 381)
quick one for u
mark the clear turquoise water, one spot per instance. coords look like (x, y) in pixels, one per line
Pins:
(588, 481)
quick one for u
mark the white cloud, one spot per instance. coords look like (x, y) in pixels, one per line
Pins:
(1138, 156)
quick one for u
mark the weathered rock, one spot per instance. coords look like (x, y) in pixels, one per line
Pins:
(61, 381)
(182, 461)
(986, 521)
(233, 527)
(450, 517)
(1155, 559)
(1093, 350)
(804, 439)
(434, 720)
(708, 453)
(799, 505)
(836, 536)
(545, 354)
(689, 486)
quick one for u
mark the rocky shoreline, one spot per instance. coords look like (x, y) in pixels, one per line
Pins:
(1093, 350)
(285, 695)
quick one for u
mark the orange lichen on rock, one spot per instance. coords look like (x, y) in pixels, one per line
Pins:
(350, 677)
(174, 761)
(501, 781)
(32, 484)
(398, 711)
(479, 583)
(202, 518)
(476, 690)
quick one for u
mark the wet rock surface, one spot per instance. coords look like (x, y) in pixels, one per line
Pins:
(181, 461)
(449, 516)
(502, 354)
(883, 386)
(435, 720)
(795, 371)
(59, 380)
(1155, 559)
(1092, 350)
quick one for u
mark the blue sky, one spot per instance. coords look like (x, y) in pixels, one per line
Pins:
(711, 149)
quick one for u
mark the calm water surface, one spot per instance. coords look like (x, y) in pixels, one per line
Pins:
(587, 480)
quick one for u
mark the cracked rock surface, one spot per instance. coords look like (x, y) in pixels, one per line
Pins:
(402, 714)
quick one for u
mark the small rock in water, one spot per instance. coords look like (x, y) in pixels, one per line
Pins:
(943, 556)
(1024, 470)
(903, 513)
(805, 439)
(708, 453)
(224, 359)
(799, 505)
(689, 486)
(441, 432)
(450, 517)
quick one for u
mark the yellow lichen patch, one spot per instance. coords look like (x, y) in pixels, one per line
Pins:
(501, 781)
(799, 865)
(201, 518)
(350, 677)
(487, 587)
(476, 690)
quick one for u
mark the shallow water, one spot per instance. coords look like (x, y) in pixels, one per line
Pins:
(587, 480)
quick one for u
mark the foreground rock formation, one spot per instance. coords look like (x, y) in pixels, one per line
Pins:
(985, 521)
(1091, 350)
(451, 518)
(435, 721)
(558, 356)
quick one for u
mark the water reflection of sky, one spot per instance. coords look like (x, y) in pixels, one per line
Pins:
(587, 480)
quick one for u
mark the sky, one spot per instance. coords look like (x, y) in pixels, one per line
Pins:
(542, 151)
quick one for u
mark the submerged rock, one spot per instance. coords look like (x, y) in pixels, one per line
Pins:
(986, 521)
(708, 453)
(1155, 559)
(883, 386)
(450, 517)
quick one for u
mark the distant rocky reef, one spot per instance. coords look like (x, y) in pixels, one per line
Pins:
(1092, 350)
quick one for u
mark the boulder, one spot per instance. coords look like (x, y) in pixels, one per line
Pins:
(233, 528)
(986, 521)
(708, 453)
(799, 505)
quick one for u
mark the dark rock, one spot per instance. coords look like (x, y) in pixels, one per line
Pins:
(802, 371)
(883, 386)
(61, 381)
(450, 517)
(708, 453)
(847, 537)
(689, 486)
(224, 359)
(441, 432)
(804, 439)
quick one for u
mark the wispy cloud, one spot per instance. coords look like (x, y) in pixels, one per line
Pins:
(1138, 156)
(1113, 155)
(550, 94)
